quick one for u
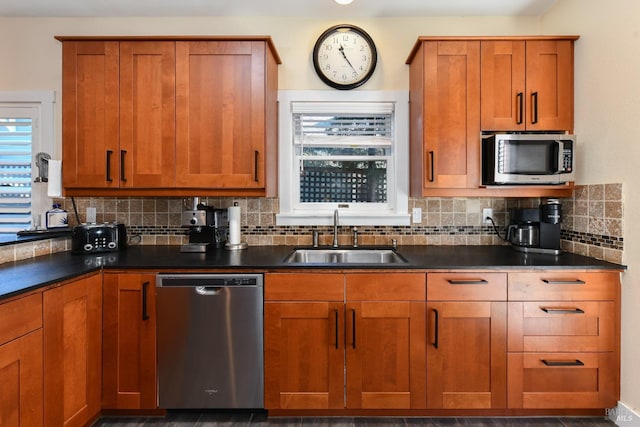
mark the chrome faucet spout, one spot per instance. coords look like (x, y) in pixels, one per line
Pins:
(335, 228)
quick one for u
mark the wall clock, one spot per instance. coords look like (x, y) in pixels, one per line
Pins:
(344, 56)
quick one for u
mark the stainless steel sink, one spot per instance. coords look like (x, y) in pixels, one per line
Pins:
(344, 256)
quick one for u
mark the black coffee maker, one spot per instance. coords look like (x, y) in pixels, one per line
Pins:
(208, 227)
(536, 230)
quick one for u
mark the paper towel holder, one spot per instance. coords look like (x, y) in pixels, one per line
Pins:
(234, 246)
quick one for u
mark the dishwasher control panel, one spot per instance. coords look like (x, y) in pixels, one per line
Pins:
(188, 279)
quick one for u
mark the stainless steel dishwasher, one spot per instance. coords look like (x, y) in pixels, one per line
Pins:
(210, 344)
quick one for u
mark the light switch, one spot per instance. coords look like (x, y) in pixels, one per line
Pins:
(91, 215)
(417, 215)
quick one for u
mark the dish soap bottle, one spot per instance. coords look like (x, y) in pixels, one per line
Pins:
(56, 217)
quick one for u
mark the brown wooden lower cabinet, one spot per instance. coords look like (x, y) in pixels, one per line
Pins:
(73, 352)
(315, 323)
(564, 339)
(21, 371)
(467, 338)
(500, 343)
(129, 341)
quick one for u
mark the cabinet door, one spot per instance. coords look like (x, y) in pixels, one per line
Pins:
(90, 87)
(129, 341)
(304, 355)
(146, 157)
(73, 352)
(21, 381)
(549, 85)
(451, 152)
(385, 345)
(466, 355)
(503, 85)
(220, 120)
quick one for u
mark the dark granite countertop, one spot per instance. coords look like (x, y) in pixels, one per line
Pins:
(20, 276)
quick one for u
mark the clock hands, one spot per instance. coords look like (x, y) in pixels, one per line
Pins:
(347, 59)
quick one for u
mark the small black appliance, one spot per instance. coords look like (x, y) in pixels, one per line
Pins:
(208, 227)
(536, 230)
(95, 238)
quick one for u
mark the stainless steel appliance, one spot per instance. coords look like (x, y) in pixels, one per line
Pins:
(208, 227)
(95, 238)
(536, 230)
(528, 159)
(210, 344)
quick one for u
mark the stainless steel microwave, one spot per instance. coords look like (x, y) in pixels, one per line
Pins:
(528, 159)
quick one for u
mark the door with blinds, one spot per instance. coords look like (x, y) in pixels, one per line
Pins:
(17, 126)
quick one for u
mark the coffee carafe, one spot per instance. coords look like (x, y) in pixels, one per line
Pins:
(208, 227)
(536, 230)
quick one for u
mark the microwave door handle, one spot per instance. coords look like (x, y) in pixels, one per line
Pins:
(560, 167)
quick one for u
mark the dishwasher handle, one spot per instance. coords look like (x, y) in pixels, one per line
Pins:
(209, 290)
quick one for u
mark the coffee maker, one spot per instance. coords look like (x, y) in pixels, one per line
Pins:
(208, 227)
(536, 230)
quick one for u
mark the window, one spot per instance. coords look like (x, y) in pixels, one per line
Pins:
(345, 151)
(26, 128)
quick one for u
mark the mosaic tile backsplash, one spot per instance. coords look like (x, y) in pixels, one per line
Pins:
(592, 224)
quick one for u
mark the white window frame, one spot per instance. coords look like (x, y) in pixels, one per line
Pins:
(394, 212)
(43, 137)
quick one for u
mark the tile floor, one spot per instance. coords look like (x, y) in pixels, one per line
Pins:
(236, 419)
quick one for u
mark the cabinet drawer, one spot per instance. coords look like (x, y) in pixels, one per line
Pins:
(561, 326)
(304, 287)
(562, 380)
(20, 317)
(386, 287)
(565, 285)
(466, 286)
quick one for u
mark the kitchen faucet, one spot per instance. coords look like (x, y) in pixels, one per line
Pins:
(335, 228)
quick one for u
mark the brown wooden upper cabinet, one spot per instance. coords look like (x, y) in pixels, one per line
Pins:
(527, 85)
(166, 116)
(445, 116)
(460, 86)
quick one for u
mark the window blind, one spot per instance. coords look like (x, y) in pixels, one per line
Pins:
(16, 138)
(343, 152)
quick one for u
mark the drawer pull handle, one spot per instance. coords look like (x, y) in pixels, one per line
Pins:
(353, 326)
(337, 331)
(145, 290)
(108, 177)
(520, 99)
(563, 362)
(435, 328)
(563, 282)
(562, 310)
(467, 281)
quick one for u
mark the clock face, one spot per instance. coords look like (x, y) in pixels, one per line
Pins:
(344, 56)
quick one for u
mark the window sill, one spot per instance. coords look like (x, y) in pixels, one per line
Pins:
(344, 219)
(13, 238)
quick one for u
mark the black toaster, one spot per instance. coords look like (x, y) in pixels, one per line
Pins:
(94, 238)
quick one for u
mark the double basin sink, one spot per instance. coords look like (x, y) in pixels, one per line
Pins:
(335, 256)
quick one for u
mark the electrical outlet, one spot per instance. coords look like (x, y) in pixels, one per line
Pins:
(417, 215)
(486, 212)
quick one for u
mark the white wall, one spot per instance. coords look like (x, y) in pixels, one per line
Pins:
(607, 111)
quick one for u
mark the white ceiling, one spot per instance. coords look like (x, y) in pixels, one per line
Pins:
(303, 8)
